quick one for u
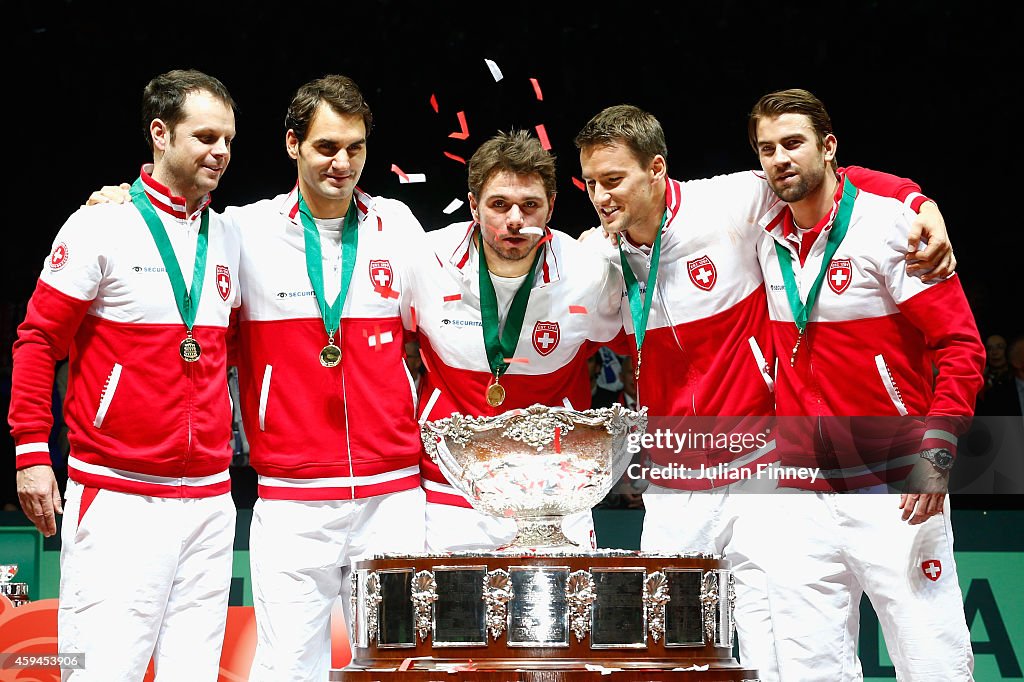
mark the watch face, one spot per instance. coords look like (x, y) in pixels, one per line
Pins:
(942, 458)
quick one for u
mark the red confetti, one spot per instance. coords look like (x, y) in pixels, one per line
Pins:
(464, 133)
(433, 102)
(455, 158)
(579, 184)
(522, 361)
(558, 439)
(578, 309)
(536, 89)
(399, 172)
(543, 135)
(453, 297)
(380, 224)
(412, 315)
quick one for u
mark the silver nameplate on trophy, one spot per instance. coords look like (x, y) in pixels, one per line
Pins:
(618, 617)
(460, 613)
(395, 628)
(538, 614)
(684, 625)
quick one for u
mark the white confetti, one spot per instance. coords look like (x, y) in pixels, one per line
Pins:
(495, 71)
(532, 229)
(452, 207)
(412, 177)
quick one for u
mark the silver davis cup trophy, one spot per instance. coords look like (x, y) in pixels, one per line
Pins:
(16, 592)
(535, 465)
(541, 603)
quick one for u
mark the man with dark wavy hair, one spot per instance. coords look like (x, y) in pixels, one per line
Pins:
(877, 376)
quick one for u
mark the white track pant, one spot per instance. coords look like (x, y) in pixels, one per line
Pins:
(144, 577)
(301, 555)
(728, 522)
(832, 548)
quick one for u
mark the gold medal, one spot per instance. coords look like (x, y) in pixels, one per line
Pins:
(330, 355)
(495, 394)
(189, 349)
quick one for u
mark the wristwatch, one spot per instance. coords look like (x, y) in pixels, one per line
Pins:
(940, 457)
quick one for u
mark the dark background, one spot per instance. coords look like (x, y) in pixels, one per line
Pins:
(920, 89)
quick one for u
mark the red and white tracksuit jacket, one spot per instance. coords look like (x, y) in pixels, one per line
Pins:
(707, 362)
(140, 419)
(319, 433)
(572, 311)
(868, 351)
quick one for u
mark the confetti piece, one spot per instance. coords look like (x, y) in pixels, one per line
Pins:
(380, 224)
(536, 89)
(412, 178)
(521, 361)
(566, 403)
(577, 309)
(399, 172)
(453, 297)
(579, 184)
(412, 317)
(543, 135)
(558, 439)
(464, 127)
(433, 102)
(532, 229)
(453, 206)
(453, 157)
(495, 71)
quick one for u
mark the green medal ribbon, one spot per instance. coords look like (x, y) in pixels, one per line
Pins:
(331, 314)
(187, 301)
(501, 346)
(802, 310)
(639, 310)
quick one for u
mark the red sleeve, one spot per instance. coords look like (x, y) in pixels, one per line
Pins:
(886, 185)
(943, 315)
(43, 339)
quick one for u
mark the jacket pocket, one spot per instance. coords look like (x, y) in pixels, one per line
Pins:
(762, 365)
(890, 385)
(264, 396)
(107, 395)
(412, 387)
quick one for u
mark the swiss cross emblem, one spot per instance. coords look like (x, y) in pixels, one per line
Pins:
(380, 274)
(839, 274)
(702, 273)
(932, 569)
(59, 257)
(223, 281)
(545, 337)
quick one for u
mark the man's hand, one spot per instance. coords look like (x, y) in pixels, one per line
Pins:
(40, 497)
(596, 232)
(936, 260)
(109, 194)
(926, 488)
